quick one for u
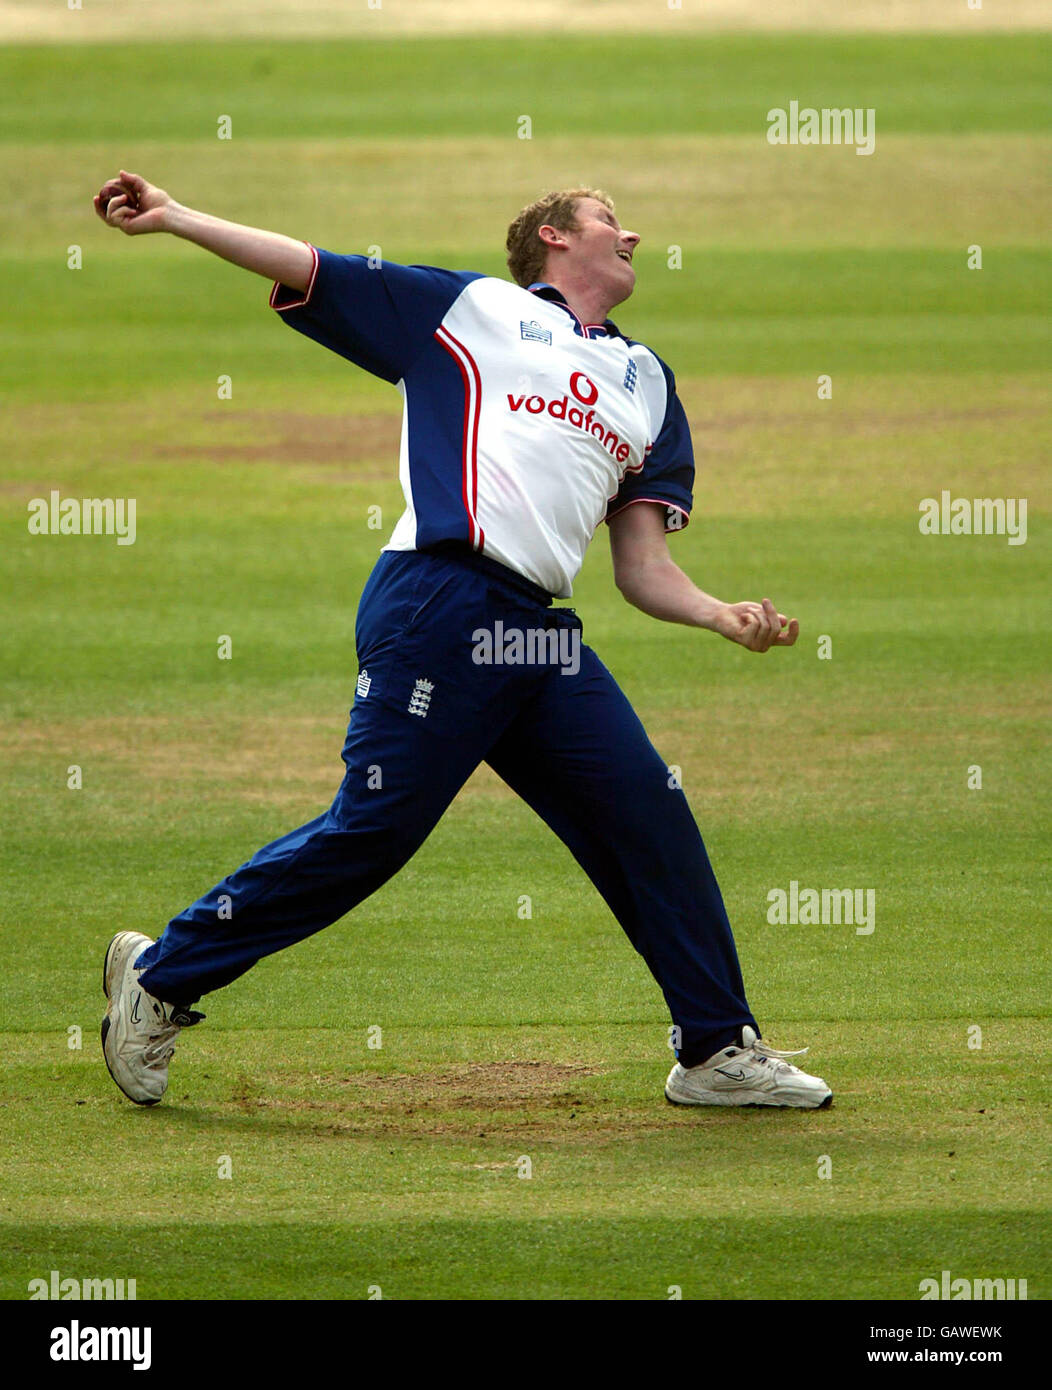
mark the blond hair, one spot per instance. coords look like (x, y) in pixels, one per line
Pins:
(527, 253)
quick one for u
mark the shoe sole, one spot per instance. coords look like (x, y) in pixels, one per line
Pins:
(106, 1026)
(728, 1103)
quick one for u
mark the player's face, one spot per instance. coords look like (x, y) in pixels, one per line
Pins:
(601, 247)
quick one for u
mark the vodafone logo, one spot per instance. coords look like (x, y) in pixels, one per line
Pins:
(584, 390)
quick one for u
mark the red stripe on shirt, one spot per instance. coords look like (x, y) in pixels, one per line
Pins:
(472, 411)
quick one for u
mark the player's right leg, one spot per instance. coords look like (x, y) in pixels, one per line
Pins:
(424, 717)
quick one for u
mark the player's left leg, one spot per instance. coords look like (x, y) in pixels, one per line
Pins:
(581, 758)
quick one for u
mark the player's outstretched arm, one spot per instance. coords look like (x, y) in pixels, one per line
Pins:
(650, 580)
(135, 207)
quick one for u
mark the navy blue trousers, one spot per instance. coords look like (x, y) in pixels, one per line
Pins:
(432, 703)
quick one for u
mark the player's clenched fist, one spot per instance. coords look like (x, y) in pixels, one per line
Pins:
(758, 626)
(132, 204)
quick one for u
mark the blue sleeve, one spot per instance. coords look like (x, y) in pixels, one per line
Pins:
(377, 314)
(667, 474)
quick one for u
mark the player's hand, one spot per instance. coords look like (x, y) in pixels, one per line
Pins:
(757, 626)
(131, 204)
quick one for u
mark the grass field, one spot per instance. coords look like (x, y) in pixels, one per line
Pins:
(501, 1038)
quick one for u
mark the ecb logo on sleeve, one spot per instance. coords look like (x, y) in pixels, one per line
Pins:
(533, 332)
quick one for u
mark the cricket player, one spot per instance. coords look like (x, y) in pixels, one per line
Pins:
(529, 419)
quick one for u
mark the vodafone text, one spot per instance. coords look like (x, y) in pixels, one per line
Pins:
(585, 391)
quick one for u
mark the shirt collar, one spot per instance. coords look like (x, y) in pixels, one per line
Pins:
(543, 290)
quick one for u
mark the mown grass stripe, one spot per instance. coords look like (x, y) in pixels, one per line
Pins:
(567, 85)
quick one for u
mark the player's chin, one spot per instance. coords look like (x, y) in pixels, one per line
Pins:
(626, 283)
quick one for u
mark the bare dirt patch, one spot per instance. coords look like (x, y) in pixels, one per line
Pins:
(337, 441)
(481, 1083)
(296, 439)
(540, 1098)
(857, 422)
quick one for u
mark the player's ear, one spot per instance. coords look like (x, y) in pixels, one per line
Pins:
(552, 236)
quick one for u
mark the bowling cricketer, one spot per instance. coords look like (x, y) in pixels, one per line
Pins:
(528, 419)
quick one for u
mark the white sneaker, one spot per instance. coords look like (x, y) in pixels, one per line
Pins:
(753, 1074)
(138, 1031)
